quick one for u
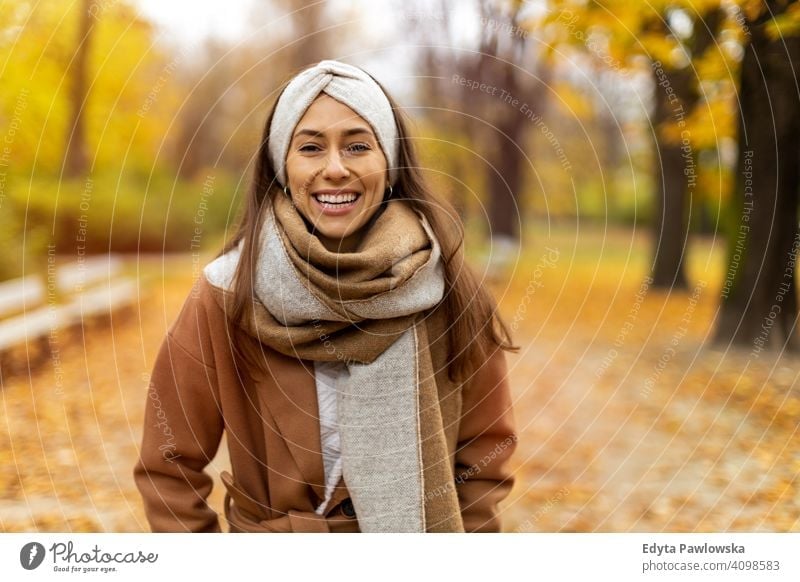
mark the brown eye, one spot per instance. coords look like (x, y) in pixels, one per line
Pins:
(359, 147)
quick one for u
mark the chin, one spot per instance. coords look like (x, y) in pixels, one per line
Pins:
(335, 231)
(335, 236)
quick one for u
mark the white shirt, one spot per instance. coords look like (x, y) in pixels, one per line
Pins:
(325, 375)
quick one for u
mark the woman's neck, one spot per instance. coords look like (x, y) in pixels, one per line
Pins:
(350, 243)
(347, 244)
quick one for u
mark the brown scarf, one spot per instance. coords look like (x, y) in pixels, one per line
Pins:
(364, 309)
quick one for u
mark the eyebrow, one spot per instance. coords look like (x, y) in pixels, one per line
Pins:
(346, 133)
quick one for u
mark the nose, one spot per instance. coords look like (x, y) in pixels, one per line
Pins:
(335, 168)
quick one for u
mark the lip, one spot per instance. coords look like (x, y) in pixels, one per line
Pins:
(339, 210)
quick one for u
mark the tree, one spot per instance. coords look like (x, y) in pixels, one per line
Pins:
(676, 96)
(230, 85)
(76, 157)
(501, 62)
(311, 38)
(759, 301)
(499, 74)
(680, 41)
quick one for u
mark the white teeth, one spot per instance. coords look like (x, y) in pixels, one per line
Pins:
(336, 198)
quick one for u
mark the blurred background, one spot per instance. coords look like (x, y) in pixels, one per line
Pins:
(628, 174)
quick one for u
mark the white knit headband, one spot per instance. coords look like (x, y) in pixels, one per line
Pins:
(345, 83)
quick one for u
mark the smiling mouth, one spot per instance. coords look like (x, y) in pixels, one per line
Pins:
(337, 200)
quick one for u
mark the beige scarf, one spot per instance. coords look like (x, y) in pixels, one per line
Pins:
(365, 309)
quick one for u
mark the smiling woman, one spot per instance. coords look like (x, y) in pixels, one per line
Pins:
(337, 175)
(339, 339)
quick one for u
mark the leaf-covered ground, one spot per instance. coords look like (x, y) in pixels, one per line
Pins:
(630, 420)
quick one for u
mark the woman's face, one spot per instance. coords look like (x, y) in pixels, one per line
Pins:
(337, 172)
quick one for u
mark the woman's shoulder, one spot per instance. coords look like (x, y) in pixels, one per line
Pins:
(212, 289)
(201, 318)
(220, 271)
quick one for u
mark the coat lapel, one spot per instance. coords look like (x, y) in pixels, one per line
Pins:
(289, 392)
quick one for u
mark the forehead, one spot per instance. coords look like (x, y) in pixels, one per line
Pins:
(326, 113)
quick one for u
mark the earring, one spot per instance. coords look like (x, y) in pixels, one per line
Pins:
(288, 195)
(385, 197)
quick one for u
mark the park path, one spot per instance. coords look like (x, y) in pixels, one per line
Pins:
(609, 441)
(653, 428)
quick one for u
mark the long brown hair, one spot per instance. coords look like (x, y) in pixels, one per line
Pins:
(474, 326)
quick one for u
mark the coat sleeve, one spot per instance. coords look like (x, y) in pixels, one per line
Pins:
(486, 441)
(182, 431)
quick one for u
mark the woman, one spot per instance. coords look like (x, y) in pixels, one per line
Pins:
(340, 341)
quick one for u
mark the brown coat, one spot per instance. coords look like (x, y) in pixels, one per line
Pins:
(273, 434)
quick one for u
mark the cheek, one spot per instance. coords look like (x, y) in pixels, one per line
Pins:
(300, 172)
(295, 168)
(374, 172)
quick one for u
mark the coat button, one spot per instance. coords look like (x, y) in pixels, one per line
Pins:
(347, 508)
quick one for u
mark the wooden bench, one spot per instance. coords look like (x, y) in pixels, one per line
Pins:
(92, 290)
(76, 276)
(20, 294)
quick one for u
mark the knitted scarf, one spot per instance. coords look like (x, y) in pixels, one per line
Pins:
(365, 309)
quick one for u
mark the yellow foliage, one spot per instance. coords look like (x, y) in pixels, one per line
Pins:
(124, 68)
(698, 6)
(716, 63)
(572, 101)
(752, 8)
(711, 122)
(659, 47)
(133, 95)
(786, 24)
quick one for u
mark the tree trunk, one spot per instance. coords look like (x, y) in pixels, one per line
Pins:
(312, 37)
(76, 158)
(759, 302)
(670, 227)
(676, 174)
(505, 179)
(671, 230)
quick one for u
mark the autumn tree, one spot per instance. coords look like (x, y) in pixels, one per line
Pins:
(677, 95)
(483, 90)
(507, 60)
(687, 65)
(759, 294)
(229, 86)
(76, 157)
